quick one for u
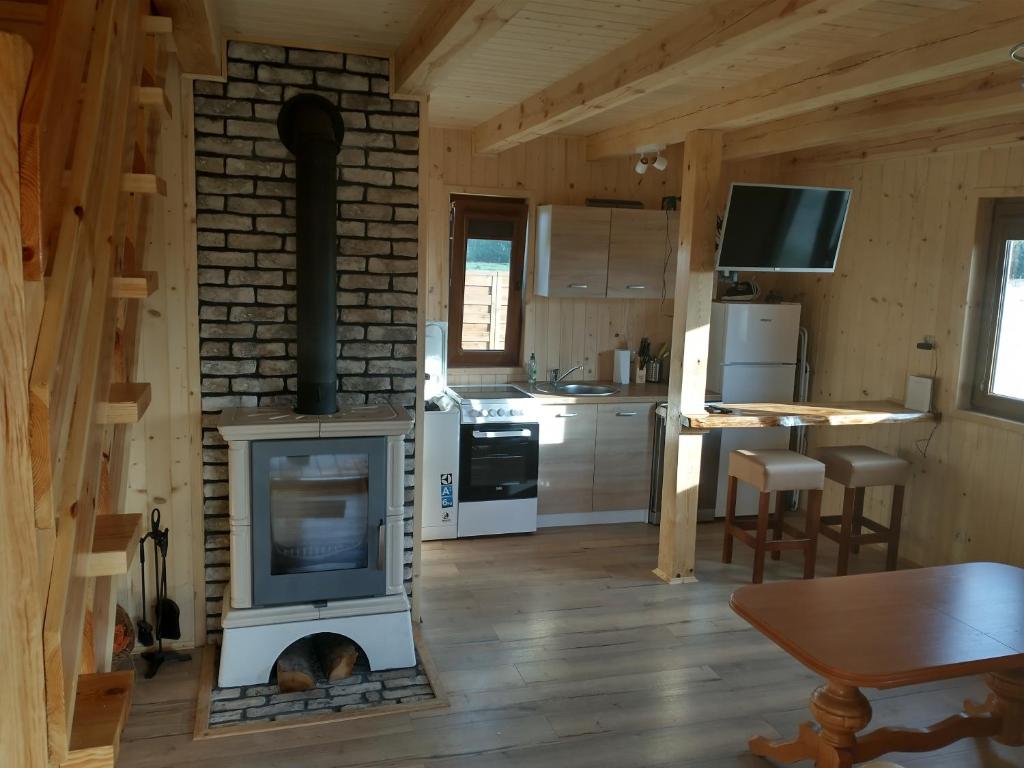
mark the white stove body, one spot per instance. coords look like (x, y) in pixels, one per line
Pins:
(492, 413)
(253, 636)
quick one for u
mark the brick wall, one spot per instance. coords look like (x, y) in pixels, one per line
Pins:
(246, 234)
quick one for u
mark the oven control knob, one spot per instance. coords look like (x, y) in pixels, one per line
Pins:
(501, 412)
(515, 413)
(490, 413)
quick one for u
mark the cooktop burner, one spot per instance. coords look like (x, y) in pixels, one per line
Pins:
(493, 392)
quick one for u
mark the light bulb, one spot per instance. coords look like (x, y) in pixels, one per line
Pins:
(661, 162)
(641, 165)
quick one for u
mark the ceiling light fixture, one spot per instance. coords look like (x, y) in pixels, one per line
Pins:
(661, 162)
(641, 165)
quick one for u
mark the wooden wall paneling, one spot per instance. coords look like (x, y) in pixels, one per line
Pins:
(561, 332)
(423, 233)
(909, 244)
(170, 433)
(23, 726)
(190, 296)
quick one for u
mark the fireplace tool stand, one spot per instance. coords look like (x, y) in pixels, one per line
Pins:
(166, 614)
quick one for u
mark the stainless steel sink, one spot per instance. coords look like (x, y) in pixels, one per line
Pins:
(577, 390)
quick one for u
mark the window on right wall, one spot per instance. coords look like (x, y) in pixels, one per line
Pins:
(999, 369)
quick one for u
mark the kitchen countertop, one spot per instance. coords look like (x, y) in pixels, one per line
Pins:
(628, 393)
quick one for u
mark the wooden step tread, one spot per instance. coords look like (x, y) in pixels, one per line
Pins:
(134, 285)
(114, 544)
(101, 708)
(143, 184)
(126, 403)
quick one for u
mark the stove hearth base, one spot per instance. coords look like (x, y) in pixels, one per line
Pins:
(255, 637)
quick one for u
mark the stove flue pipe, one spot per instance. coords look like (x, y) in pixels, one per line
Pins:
(311, 128)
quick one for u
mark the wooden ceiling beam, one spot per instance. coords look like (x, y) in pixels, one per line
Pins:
(696, 40)
(974, 96)
(976, 37)
(1000, 131)
(447, 30)
(196, 35)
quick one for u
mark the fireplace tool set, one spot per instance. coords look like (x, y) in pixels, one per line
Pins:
(165, 611)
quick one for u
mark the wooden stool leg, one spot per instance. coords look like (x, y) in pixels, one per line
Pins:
(811, 532)
(845, 530)
(730, 516)
(780, 511)
(762, 536)
(858, 519)
(895, 523)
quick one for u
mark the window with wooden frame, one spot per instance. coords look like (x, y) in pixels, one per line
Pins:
(999, 369)
(487, 272)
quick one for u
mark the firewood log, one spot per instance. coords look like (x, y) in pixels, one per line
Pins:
(337, 655)
(296, 670)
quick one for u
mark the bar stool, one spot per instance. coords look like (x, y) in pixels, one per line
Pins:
(774, 471)
(856, 467)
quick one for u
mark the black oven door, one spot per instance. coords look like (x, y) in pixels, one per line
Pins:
(498, 461)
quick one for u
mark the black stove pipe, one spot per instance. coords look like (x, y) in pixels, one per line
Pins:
(311, 128)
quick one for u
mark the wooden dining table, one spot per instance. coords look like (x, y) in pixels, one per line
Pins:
(892, 629)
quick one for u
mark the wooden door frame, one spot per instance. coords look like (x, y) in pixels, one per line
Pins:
(532, 201)
(511, 355)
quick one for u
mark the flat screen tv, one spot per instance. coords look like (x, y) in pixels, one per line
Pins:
(775, 228)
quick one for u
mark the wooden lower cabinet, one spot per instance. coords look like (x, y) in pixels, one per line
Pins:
(565, 478)
(594, 457)
(622, 465)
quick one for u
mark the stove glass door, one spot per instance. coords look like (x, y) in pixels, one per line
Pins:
(318, 519)
(498, 461)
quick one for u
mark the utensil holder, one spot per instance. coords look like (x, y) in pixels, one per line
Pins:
(653, 371)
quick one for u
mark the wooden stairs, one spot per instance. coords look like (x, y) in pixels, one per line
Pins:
(77, 303)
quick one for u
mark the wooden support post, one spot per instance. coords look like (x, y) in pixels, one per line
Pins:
(23, 725)
(695, 282)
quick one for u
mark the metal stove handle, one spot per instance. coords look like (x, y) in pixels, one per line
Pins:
(516, 433)
(381, 555)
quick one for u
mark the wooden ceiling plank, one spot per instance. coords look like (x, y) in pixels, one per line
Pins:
(693, 41)
(197, 36)
(975, 38)
(973, 96)
(446, 31)
(1003, 130)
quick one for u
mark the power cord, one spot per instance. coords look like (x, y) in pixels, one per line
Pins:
(927, 441)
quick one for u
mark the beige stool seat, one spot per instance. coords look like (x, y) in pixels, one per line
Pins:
(856, 467)
(777, 470)
(774, 471)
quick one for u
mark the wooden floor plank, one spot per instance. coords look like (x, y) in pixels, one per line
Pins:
(562, 649)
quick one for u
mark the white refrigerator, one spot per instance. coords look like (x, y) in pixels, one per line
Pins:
(752, 359)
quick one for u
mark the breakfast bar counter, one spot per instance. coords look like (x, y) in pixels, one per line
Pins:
(753, 415)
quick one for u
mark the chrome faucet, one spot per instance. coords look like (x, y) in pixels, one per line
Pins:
(556, 379)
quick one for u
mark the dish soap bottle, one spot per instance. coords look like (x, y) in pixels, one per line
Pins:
(531, 369)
